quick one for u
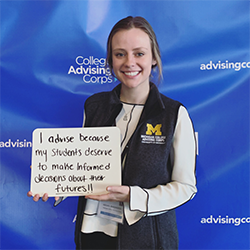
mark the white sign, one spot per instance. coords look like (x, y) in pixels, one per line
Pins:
(75, 161)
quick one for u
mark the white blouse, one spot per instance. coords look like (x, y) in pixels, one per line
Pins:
(154, 201)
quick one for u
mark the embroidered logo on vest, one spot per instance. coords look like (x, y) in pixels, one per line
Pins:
(153, 135)
(156, 130)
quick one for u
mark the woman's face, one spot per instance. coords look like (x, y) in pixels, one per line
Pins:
(132, 58)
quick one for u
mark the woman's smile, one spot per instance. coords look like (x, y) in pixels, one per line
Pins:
(132, 73)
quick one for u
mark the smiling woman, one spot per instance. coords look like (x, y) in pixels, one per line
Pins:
(157, 144)
(150, 187)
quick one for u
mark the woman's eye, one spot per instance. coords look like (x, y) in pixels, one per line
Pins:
(119, 54)
(139, 54)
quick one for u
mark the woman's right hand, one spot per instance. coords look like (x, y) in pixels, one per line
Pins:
(37, 196)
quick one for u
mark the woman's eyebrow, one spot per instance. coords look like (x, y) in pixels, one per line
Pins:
(138, 48)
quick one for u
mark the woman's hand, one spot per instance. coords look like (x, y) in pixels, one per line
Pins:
(37, 197)
(116, 193)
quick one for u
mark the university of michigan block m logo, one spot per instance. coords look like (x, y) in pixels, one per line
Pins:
(153, 130)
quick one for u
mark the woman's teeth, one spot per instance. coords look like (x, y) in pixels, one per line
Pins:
(131, 73)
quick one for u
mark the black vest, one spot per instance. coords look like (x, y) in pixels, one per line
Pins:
(147, 163)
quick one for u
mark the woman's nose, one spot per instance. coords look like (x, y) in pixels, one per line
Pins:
(130, 61)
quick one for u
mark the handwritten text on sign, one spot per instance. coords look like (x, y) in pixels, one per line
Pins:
(75, 161)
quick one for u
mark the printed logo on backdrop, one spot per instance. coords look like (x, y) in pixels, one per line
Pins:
(15, 144)
(226, 220)
(92, 70)
(219, 65)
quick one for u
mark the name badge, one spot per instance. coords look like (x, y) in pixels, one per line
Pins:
(111, 210)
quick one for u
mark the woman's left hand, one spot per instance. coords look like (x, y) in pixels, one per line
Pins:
(116, 193)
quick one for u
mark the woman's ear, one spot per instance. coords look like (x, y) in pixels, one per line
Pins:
(154, 63)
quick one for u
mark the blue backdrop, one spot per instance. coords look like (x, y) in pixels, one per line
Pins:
(52, 55)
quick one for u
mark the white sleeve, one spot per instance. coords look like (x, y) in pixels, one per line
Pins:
(84, 116)
(182, 188)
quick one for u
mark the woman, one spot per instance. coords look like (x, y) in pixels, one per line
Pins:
(158, 149)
